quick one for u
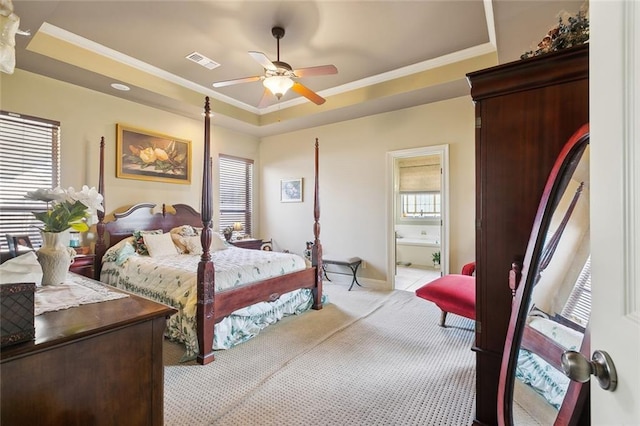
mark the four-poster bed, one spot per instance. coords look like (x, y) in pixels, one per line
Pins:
(213, 303)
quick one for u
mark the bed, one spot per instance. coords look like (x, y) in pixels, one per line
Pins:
(208, 303)
(540, 386)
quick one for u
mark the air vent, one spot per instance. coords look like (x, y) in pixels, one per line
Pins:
(202, 60)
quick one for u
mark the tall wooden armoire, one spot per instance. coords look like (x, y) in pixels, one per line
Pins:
(525, 113)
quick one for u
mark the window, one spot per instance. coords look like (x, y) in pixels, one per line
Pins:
(29, 159)
(420, 205)
(236, 192)
(419, 184)
(578, 306)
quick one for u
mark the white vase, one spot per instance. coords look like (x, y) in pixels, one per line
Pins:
(54, 258)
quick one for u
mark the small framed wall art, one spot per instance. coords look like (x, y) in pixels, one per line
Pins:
(291, 190)
(147, 155)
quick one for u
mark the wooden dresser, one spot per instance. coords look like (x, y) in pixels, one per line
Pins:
(96, 364)
(525, 113)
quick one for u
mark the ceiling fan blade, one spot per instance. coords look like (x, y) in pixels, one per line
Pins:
(262, 59)
(266, 97)
(237, 81)
(319, 70)
(308, 93)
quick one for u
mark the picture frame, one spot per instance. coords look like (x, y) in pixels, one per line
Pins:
(147, 155)
(291, 190)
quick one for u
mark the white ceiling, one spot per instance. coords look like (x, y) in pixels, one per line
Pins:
(389, 54)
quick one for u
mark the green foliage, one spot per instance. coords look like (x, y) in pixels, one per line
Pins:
(571, 32)
(64, 216)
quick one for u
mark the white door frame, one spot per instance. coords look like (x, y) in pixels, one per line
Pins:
(614, 88)
(392, 186)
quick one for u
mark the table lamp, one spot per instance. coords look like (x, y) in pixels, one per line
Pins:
(237, 227)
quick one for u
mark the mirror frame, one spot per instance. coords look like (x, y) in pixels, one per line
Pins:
(577, 393)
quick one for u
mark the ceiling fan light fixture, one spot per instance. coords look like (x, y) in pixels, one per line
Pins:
(278, 84)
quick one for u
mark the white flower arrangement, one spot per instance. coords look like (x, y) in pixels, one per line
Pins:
(67, 208)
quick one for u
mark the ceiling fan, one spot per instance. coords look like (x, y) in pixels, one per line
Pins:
(279, 76)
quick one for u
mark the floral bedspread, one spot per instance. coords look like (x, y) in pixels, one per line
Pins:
(172, 280)
(536, 372)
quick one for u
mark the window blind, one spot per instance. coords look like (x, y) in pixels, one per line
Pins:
(578, 306)
(420, 174)
(29, 160)
(236, 192)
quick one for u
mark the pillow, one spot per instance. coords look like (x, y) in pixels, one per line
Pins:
(159, 245)
(179, 232)
(112, 254)
(218, 242)
(124, 253)
(178, 241)
(193, 245)
(185, 231)
(139, 243)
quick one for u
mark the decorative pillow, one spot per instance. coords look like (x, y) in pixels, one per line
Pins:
(178, 235)
(139, 243)
(185, 231)
(124, 253)
(159, 245)
(112, 254)
(178, 241)
(193, 245)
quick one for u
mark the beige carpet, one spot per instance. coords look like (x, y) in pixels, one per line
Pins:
(367, 358)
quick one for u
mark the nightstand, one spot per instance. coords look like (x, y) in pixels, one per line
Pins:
(83, 264)
(248, 243)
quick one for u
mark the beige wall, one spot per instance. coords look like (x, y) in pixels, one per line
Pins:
(353, 175)
(86, 115)
(353, 181)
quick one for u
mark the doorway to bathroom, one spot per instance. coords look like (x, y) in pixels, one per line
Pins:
(418, 235)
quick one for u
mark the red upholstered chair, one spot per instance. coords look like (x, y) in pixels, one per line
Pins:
(455, 293)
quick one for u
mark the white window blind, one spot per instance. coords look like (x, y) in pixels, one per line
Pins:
(578, 306)
(29, 160)
(236, 192)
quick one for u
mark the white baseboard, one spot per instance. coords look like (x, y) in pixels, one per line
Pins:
(368, 283)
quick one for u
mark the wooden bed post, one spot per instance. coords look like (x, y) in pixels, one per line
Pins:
(206, 272)
(101, 247)
(316, 252)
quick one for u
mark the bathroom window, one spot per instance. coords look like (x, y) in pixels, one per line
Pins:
(420, 204)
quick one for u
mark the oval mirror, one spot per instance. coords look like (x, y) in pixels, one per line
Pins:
(552, 304)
